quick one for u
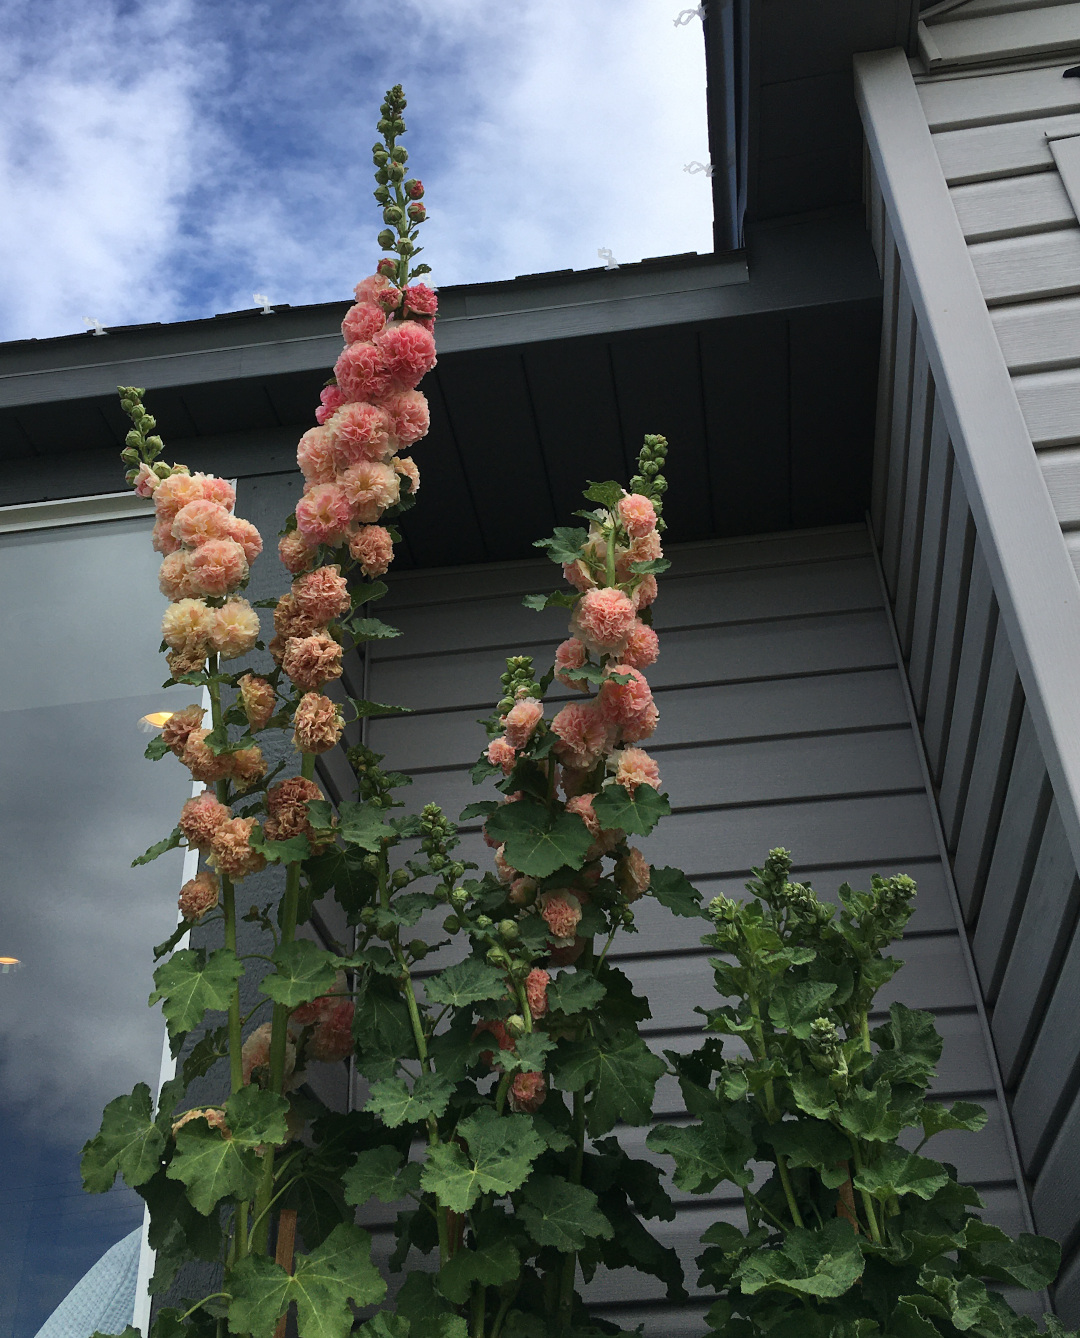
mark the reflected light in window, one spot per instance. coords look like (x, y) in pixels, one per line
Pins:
(9, 964)
(156, 720)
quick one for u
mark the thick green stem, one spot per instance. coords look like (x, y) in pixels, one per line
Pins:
(479, 1309)
(569, 1267)
(789, 1192)
(869, 1207)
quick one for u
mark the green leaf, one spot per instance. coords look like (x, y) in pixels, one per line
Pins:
(706, 1154)
(536, 842)
(156, 749)
(574, 992)
(342, 870)
(607, 494)
(483, 809)
(362, 825)
(378, 1174)
(867, 1114)
(898, 1172)
(490, 1266)
(396, 1103)
(371, 629)
(170, 842)
(813, 1094)
(160, 949)
(622, 1073)
(813, 1143)
(322, 1284)
(672, 889)
(560, 1214)
(382, 1028)
(501, 1150)
(211, 1166)
(565, 544)
(638, 814)
(189, 983)
(825, 1263)
(558, 599)
(304, 972)
(652, 567)
(467, 982)
(794, 1007)
(1031, 1262)
(960, 1115)
(383, 1325)
(366, 709)
(129, 1142)
(205, 1053)
(529, 1054)
(291, 851)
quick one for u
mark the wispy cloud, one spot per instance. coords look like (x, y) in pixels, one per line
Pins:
(166, 160)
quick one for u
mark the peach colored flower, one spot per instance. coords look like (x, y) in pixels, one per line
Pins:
(362, 321)
(235, 629)
(503, 868)
(409, 416)
(574, 781)
(561, 912)
(641, 726)
(187, 625)
(190, 661)
(161, 537)
(247, 767)
(179, 726)
(322, 595)
(638, 515)
(498, 1030)
(201, 817)
(521, 721)
(642, 647)
(199, 895)
(500, 753)
(218, 566)
(315, 455)
(624, 703)
(582, 805)
(408, 352)
(646, 548)
(330, 401)
(174, 581)
(405, 467)
(311, 661)
(317, 724)
(536, 983)
(204, 764)
(522, 891)
(420, 300)
(603, 619)
(255, 1054)
(633, 874)
(247, 536)
(578, 575)
(583, 735)
(332, 1040)
(286, 804)
(146, 481)
(571, 654)
(322, 514)
(213, 1115)
(373, 548)
(634, 767)
(645, 593)
(201, 521)
(295, 552)
(361, 371)
(175, 492)
(370, 487)
(377, 288)
(217, 490)
(358, 431)
(528, 1091)
(257, 698)
(317, 1010)
(231, 851)
(290, 619)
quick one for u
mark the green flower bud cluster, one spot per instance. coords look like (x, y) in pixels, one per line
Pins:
(827, 1051)
(398, 197)
(517, 682)
(373, 784)
(649, 481)
(438, 838)
(141, 445)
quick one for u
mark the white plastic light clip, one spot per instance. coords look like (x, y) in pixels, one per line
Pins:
(687, 14)
(96, 326)
(264, 302)
(605, 254)
(695, 166)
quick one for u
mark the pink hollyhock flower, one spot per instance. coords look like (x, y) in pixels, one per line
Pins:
(624, 703)
(641, 726)
(190, 660)
(318, 1010)
(311, 661)
(406, 468)
(146, 481)
(536, 983)
(378, 289)
(247, 767)
(161, 537)
(291, 620)
(528, 1092)
(409, 416)
(634, 767)
(603, 619)
(642, 647)
(646, 548)
(199, 895)
(315, 455)
(420, 300)
(645, 593)
(633, 874)
(498, 1030)
(574, 781)
(174, 581)
(578, 575)
(257, 698)
(521, 721)
(255, 1054)
(330, 401)
(317, 724)
(187, 624)
(322, 595)
(323, 514)
(235, 629)
(362, 322)
(178, 727)
(286, 804)
(217, 490)
(373, 548)
(522, 891)
(332, 1040)
(362, 372)
(582, 805)
(583, 734)
(571, 654)
(358, 432)
(201, 521)
(231, 851)
(501, 753)
(637, 514)
(247, 536)
(218, 566)
(561, 912)
(295, 552)
(503, 868)
(175, 492)
(201, 817)
(204, 764)
(408, 351)
(370, 488)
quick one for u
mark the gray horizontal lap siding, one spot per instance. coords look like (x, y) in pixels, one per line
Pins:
(782, 722)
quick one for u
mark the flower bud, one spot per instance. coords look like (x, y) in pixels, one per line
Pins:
(161, 469)
(392, 214)
(515, 1024)
(395, 171)
(129, 455)
(386, 267)
(459, 898)
(386, 932)
(508, 930)
(484, 922)
(385, 239)
(496, 957)
(382, 194)
(414, 189)
(418, 949)
(367, 915)
(379, 156)
(371, 864)
(417, 213)
(385, 126)
(400, 878)
(134, 439)
(451, 924)
(399, 153)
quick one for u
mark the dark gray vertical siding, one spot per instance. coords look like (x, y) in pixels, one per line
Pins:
(783, 721)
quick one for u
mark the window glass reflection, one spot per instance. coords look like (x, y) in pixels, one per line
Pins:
(79, 668)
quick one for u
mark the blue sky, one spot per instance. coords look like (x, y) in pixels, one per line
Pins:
(165, 160)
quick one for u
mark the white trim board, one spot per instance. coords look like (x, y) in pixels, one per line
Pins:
(73, 511)
(1067, 157)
